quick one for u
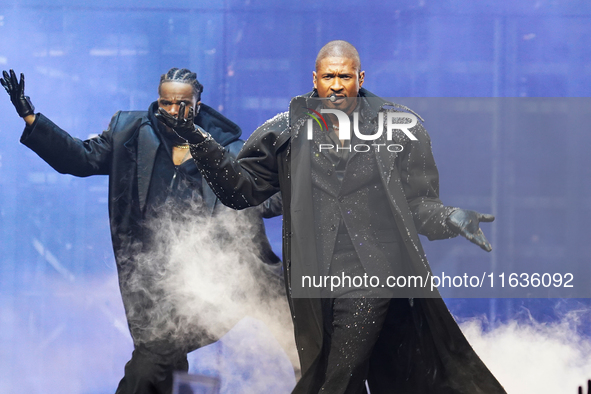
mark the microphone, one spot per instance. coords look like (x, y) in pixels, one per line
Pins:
(333, 97)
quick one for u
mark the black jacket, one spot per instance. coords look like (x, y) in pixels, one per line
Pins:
(433, 356)
(126, 152)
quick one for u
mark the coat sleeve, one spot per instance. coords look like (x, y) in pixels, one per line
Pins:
(251, 178)
(269, 208)
(420, 180)
(272, 207)
(67, 154)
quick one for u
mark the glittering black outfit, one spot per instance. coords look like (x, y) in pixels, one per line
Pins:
(353, 317)
(365, 217)
(352, 326)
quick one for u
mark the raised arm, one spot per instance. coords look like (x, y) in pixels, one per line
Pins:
(16, 90)
(66, 154)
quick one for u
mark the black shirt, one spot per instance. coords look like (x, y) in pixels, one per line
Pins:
(177, 189)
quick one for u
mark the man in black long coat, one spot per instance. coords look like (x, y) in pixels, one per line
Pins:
(151, 177)
(347, 213)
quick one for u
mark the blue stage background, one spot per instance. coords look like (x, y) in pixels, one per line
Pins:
(83, 61)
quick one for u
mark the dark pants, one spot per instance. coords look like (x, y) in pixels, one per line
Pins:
(352, 321)
(350, 339)
(150, 373)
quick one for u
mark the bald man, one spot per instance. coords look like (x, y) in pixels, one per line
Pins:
(351, 212)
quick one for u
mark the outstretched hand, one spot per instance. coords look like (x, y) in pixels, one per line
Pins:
(467, 223)
(183, 126)
(16, 91)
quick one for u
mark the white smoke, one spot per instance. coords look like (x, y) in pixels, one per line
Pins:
(204, 276)
(526, 356)
(207, 272)
(247, 360)
(533, 357)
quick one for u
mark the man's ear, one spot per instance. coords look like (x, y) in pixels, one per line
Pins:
(314, 80)
(361, 78)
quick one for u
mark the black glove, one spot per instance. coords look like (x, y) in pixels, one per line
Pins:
(466, 223)
(16, 91)
(183, 127)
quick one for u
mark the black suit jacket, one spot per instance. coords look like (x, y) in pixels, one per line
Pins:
(357, 205)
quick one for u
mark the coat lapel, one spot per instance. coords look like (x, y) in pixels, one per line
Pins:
(391, 181)
(147, 147)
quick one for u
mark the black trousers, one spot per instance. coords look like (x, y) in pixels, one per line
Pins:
(151, 373)
(352, 324)
(349, 340)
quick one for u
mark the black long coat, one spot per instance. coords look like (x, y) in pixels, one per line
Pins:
(126, 152)
(428, 353)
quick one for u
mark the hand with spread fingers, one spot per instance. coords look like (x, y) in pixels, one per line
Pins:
(467, 223)
(16, 91)
(183, 126)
